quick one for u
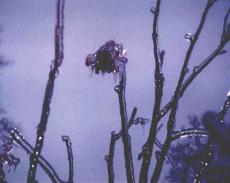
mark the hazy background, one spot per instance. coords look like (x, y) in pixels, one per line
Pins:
(86, 108)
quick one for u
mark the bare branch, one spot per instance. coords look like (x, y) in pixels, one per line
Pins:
(147, 148)
(114, 137)
(226, 32)
(2, 174)
(45, 165)
(190, 132)
(109, 158)
(120, 89)
(224, 109)
(172, 116)
(198, 69)
(68, 143)
(170, 159)
(41, 129)
(213, 124)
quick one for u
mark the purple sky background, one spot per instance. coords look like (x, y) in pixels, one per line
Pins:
(86, 108)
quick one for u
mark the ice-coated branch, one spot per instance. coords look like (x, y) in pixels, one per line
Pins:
(172, 115)
(68, 143)
(45, 165)
(205, 161)
(147, 148)
(109, 157)
(170, 159)
(190, 132)
(120, 89)
(2, 174)
(114, 137)
(216, 130)
(226, 28)
(219, 50)
(41, 128)
(224, 109)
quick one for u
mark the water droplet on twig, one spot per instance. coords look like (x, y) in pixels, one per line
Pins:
(152, 10)
(188, 37)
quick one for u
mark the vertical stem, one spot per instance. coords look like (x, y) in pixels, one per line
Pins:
(114, 137)
(159, 82)
(41, 129)
(109, 158)
(124, 124)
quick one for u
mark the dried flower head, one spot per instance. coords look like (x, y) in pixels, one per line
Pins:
(109, 58)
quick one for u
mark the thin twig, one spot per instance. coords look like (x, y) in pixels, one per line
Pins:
(41, 129)
(147, 149)
(120, 89)
(114, 137)
(109, 158)
(45, 165)
(172, 116)
(224, 109)
(198, 69)
(170, 159)
(68, 143)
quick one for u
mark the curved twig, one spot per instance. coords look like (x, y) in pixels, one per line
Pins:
(68, 143)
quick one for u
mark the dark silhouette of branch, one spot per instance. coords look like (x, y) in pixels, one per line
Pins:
(198, 69)
(205, 161)
(109, 158)
(68, 143)
(45, 165)
(211, 124)
(170, 159)
(224, 109)
(2, 174)
(120, 89)
(147, 149)
(41, 129)
(114, 137)
(172, 115)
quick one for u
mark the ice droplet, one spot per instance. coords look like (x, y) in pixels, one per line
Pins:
(117, 88)
(152, 10)
(228, 94)
(188, 37)
(195, 69)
